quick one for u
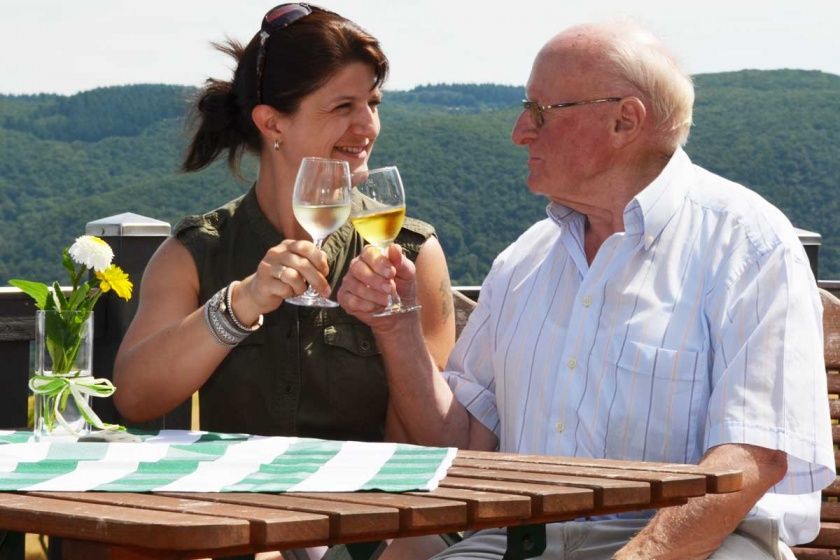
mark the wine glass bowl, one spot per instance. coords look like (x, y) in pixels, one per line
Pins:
(377, 214)
(321, 204)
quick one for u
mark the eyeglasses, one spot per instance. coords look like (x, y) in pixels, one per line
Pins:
(537, 111)
(277, 18)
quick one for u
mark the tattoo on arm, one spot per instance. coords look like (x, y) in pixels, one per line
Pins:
(447, 307)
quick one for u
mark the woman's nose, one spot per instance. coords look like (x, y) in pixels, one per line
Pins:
(367, 121)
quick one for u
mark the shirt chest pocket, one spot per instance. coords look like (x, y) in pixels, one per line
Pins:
(654, 361)
(658, 392)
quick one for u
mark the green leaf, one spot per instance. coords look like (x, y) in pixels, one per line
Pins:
(63, 338)
(92, 297)
(58, 297)
(67, 262)
(62, 404)
(36, 290)
(78, 296)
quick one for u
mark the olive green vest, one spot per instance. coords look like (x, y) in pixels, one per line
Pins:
(307, 372)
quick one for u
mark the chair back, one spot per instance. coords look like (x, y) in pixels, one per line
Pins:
(463, 307)
(827, 543)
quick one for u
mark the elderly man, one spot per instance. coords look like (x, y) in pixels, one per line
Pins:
(659, 313)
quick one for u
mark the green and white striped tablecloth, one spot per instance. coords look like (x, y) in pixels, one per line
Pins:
(182, 461)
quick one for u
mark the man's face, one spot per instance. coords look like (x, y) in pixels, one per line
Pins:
(570, 149)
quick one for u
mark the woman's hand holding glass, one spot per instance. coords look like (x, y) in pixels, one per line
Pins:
(377, 214)
(284, 272)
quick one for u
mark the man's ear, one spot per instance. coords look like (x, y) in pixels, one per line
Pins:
(269, 121)
(629, 120)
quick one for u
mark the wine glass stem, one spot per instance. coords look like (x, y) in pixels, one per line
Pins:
(310, 291)
(393, 297)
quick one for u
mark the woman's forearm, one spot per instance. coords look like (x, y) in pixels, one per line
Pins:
(159, 372)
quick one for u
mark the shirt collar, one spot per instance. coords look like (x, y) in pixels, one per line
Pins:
(650, 210)
(561, 215)
(569, 221)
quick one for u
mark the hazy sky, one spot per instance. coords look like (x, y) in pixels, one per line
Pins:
(65, 46)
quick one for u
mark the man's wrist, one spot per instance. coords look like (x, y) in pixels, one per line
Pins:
(402, 325)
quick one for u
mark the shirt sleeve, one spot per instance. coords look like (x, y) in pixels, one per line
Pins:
(469, 371)
(768, 381)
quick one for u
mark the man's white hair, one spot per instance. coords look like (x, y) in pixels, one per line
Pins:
(636, 58)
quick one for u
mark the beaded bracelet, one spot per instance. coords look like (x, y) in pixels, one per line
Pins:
(224, 333)
(228, 309)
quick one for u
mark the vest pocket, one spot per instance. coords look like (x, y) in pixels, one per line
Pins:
(354, 338)
(352, 383)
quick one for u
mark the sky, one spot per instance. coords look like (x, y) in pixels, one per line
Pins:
(67, 46)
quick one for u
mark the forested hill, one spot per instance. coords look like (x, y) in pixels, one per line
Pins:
(65, 161)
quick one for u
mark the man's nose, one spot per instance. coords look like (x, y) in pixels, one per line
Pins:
(524, 130)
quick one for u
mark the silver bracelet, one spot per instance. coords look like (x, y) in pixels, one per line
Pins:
(223, 331)
(228, 309)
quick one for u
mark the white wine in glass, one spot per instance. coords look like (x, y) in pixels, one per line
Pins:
(377, 215)
(321, 203)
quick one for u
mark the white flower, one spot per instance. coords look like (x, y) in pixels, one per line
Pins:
(91, 252)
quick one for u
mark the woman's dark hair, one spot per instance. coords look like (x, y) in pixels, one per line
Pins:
(299, 59)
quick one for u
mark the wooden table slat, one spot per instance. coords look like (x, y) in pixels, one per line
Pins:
(718, 480)
(268, 526)
(121, 525)
(416, 512)
(547, 499)
(607, 492)
(664, 485)
(347, 520)
(484, 506)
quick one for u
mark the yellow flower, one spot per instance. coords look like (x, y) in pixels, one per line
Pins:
(114, 278)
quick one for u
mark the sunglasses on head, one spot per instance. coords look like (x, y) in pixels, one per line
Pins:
(277, 18)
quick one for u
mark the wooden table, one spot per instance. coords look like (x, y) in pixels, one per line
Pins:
(481, 490)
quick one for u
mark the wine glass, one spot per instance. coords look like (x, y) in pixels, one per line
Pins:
(321, 203)
(377, 214)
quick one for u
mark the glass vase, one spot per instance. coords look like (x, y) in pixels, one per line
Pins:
(64, 356)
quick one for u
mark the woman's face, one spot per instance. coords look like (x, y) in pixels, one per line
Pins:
(340, 120)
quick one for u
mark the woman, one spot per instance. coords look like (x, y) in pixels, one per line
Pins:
(211, 313)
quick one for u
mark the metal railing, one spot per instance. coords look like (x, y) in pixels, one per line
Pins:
(134, 239)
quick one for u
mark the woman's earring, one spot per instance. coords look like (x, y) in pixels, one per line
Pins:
(276, 145)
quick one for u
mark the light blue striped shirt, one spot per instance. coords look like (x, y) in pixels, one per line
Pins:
(698, 325)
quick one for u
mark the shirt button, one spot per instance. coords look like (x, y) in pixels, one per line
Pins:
(587, 301)
(649, 239)
(572, 363)
(559, 427)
